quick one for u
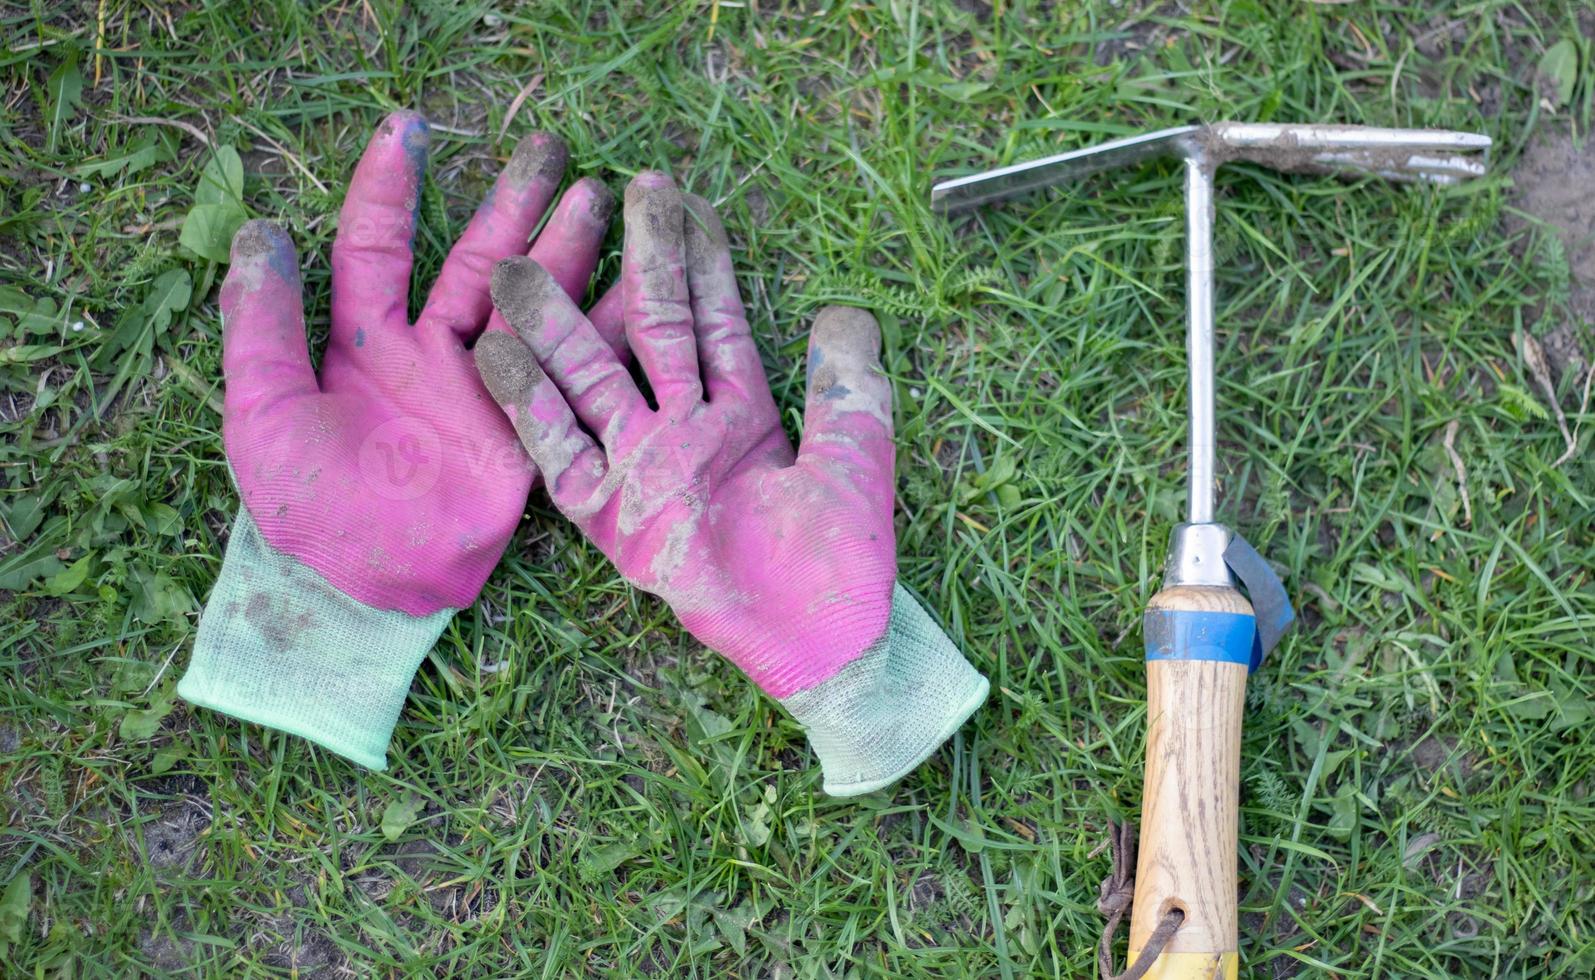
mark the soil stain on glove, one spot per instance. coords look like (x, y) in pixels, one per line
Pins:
(537, 156)
(508, 368)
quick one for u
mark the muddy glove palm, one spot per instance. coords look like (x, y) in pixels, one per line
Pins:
(378, 496)
(784, 562)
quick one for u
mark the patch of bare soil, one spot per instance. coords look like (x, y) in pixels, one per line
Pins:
(173, 840)
(168, 948)
(1553, 180)
(1441, 756)
(301, 952)
(1138, 31)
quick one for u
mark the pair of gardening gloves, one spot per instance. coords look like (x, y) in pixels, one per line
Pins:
(379, 494)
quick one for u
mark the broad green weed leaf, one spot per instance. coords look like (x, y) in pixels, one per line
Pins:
(161, 518)
(734, 925)
(136, 328)
(156, 598)
(64, 91)
(1559, 67)
(23, 514)
(69, 578)
(1573, 710)
(218, 209)
(167, 757)
(35, 317)
(142, 723)
(14, 909)
(25, 353)
(756, 820)
(1343, 807)
(209, 228)
(222, 180)
(399, 815)
(599, 862)
(169, 294)
(21, 571)
(139, 153)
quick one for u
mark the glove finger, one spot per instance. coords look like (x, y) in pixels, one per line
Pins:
(568, 245)
(608, 317)
(500, 228)
(658, 311)
(569, 350)
(847, 420)
(371, 255)
(264, 356)
(573, 466)
(731, 365)
(605, 316)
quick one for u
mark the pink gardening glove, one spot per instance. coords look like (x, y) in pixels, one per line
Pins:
(784, 562)
(379, 494)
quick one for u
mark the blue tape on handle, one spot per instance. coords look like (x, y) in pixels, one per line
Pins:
(1181, 634)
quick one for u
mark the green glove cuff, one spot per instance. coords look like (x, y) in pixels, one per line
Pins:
(280, 646)
(886, 712)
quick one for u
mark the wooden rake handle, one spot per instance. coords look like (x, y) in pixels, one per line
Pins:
(1199, 645)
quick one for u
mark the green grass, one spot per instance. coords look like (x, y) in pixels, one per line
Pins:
(1417, 767)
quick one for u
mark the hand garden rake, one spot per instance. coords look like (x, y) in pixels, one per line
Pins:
(1203, 635)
